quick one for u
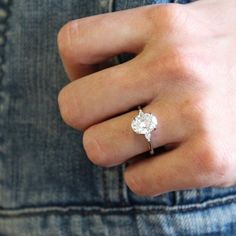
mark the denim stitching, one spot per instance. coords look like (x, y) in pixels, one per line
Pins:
(111, 5)
(120, 183)
(124, 188)
(4, 96)
(104, 177)
(98, 210)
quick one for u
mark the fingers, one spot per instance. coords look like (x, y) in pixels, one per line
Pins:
(104, 94)
(114, 142)
(85, 42)
(179, 169)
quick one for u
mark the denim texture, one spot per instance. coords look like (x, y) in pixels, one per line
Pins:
(48, 187)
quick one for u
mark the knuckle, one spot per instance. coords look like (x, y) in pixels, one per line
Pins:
(177, 64)
(210, 163)
(177, 61)
(94, 149)
(62, 37)
(208, 160)
(192, 113)
(65, 39)
(177, 58)
(69, 109)
(65, 109)
(171, 9)
(135, 184)
(166, 17)
(219, 165)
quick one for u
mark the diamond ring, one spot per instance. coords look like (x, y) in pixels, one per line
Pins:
(145, 123)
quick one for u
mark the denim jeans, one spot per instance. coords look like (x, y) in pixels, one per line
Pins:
(48, 187)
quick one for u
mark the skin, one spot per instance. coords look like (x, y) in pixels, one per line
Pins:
(184, 73)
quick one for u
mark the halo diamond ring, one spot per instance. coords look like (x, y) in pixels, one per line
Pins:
(145, 123)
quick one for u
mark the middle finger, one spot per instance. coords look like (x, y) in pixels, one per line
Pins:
(107, 93)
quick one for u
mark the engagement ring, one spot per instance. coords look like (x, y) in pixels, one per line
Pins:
(145, 123)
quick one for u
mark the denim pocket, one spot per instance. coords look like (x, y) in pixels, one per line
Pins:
(47, 184)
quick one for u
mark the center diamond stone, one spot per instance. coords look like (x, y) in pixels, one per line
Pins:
(144, 123)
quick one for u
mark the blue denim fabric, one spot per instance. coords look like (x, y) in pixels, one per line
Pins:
(48, 187)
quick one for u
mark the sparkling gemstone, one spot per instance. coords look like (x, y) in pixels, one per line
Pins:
(144, 123)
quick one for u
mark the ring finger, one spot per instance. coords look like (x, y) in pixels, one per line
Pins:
(113, 142)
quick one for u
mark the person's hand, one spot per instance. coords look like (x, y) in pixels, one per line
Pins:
(184, 73)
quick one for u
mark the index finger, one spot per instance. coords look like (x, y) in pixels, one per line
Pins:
(85, 42)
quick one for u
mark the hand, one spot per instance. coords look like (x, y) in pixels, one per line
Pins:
(184, 73)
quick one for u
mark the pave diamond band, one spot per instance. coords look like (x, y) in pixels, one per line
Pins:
(145, 123)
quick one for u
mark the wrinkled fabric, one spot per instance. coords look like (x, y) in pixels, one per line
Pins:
(48, 187)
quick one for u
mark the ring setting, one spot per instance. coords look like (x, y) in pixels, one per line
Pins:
(145, 123)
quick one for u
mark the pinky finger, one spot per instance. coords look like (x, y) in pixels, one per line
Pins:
(188, 166)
